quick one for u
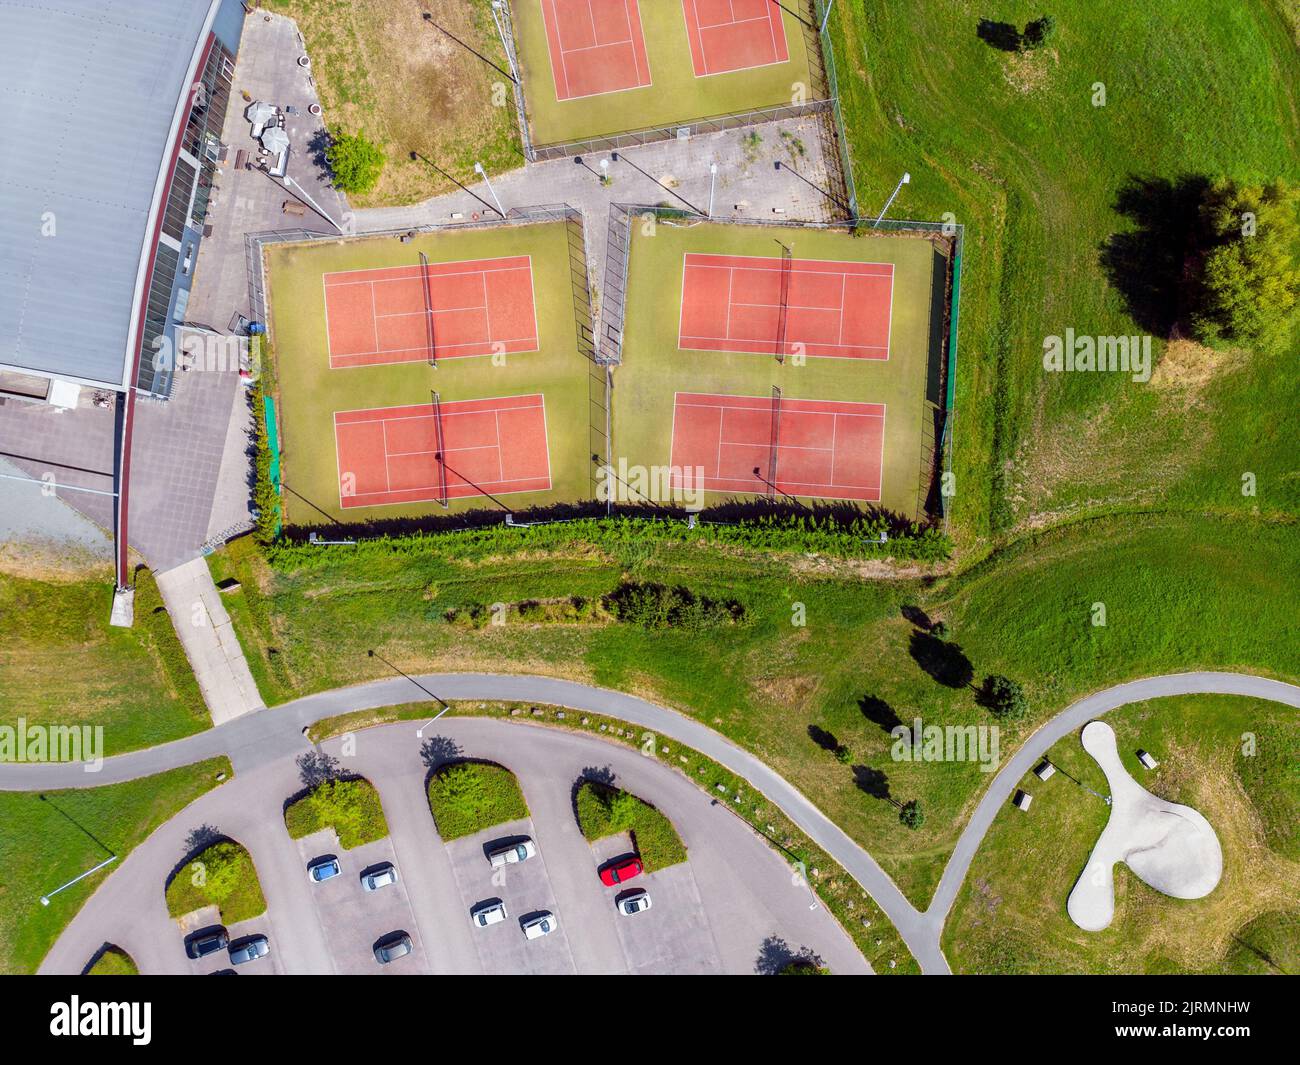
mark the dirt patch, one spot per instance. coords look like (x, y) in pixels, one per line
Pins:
(1028, 72)
(53, 563)
(1188, 367)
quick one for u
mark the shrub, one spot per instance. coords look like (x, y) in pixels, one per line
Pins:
(350, 807)
(656, 606)
(222, 875)
(911, 814)
(355, 161)
(1004, 697)
(605, 811)
(468, 797)
(1038, 33)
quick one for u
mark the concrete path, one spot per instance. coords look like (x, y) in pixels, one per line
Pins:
(259, 739)
(209, 640)
(748, 896)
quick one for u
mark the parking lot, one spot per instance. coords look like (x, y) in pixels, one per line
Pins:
(353, 918)
(525, 888)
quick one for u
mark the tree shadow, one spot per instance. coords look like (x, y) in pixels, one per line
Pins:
(1150, 264)
(879, 712)
(872, 781)
(916, 616)
(945, 662)
(316, 767)
(436, 751)
(825, 740)
(775, 955)
(201, 838)
(1001, 35)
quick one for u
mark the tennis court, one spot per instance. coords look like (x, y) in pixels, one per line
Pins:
(728, 35)
(436, 451)
(758, 444)
(783, 306)
(596, 47)
(430, 311)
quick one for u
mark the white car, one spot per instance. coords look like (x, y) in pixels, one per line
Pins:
(379, 877)
(541, 925)
(489, 913)
(516, 852)
(637, 902)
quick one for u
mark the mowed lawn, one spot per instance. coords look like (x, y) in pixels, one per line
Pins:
(1232, 759)
(384, 71)
(675, 96)
(1014, 147)
(63, 664)
(1180, 593)
(52, 837)
(655, 366)
(310, 392)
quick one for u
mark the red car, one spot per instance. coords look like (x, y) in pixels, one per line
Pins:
(620, 872)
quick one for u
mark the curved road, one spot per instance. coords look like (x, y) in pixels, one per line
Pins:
(261, 738)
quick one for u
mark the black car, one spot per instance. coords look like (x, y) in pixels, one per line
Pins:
(205, 942)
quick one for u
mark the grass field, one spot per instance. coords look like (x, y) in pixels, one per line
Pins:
(49, 839)
(675, 96)
(310, 392)
(63, 664)
(1181, 593)
(1010, 915)
(1012, 145)
(468, 797)
(382, 70)
(654, 367)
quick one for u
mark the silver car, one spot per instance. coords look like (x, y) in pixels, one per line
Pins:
(380, 876)
(516, 852)
(488, 914)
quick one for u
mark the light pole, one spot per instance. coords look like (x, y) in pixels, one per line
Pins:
(478, 169)
(902, 181)
(713, 180)
(604, 171)
(827, 17)
(497, 15)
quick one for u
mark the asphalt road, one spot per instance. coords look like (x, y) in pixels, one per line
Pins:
(259, 740)
(733, 896)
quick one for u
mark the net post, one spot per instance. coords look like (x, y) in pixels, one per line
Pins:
(783, 309)
(441, 454)
(428, 310)
(775, 443)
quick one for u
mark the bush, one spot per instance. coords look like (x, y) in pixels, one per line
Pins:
(1004, 697)
(911, 814)
(350, 807)
(468, 797)
(355, 161)
(656, 606)
(222, 875)
(1038, 34)
(605, 811)
(1249, 280)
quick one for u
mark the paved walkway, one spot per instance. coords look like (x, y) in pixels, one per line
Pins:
(256, 740)
(209, 639)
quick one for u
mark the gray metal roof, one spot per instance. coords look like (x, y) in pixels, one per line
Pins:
(88, 90)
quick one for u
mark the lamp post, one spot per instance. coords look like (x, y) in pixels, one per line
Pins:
(478, 169)
(713, 181)
(902, 181)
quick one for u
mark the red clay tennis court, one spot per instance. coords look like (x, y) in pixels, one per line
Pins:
(392, 454)
(399, 313)
(730, 35)
(824, 449)
(771, 306)
(596, 46)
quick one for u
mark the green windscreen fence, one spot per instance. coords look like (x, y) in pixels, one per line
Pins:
(273, 448)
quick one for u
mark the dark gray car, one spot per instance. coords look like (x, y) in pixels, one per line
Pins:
(249, 949)
(392, 946)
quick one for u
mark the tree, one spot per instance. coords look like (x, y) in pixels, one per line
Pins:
(911, 814)
(1249, 279)
(1004, 697)
(355, 161)
(1039, 33)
